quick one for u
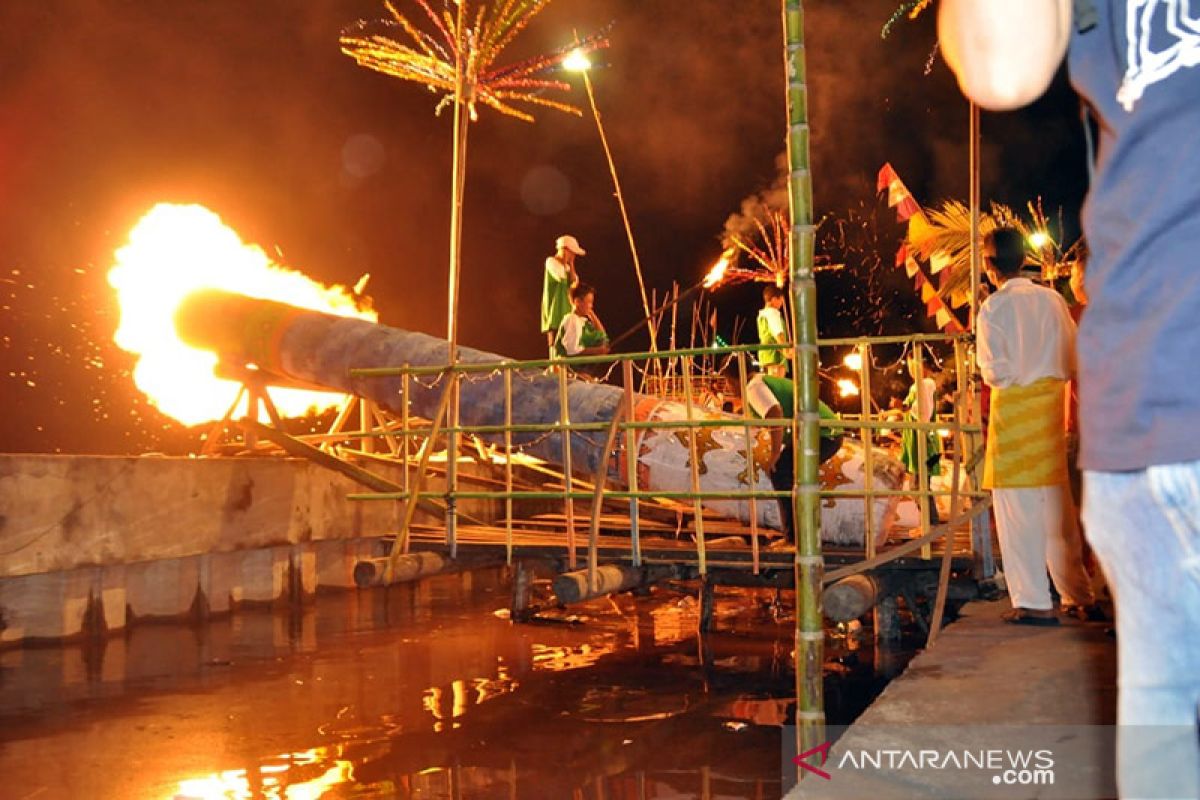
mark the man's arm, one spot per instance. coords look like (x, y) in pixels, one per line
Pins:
(763, 403)
(1069, 333)
(570, 332)
(1004, 52)
(991, 353)
(595, 318)
(775, 412)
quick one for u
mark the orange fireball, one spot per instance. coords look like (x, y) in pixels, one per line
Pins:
(173, 251)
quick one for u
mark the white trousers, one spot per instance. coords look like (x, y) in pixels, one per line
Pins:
(1039, 529)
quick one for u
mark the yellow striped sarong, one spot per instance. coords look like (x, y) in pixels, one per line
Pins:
(1026, 441)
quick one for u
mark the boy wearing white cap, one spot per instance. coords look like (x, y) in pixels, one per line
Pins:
(560, 277)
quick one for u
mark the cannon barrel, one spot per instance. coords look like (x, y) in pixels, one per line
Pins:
(321, 349)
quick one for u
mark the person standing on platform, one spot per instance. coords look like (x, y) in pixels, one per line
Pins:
(771, 330)
(1136, 65)
(919, 407)
(1026, 342)
(558, 279)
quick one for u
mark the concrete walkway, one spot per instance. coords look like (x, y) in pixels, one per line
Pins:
(988, 685)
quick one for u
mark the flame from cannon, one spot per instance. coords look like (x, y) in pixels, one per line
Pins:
(173, 251)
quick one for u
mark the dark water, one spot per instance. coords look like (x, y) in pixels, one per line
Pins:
(421, 691)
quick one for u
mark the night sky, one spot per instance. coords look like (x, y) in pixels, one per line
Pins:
(249, 108)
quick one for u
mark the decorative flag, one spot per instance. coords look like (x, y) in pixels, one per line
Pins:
(927, 291)
(938, 261)
(911, 267)
(908, 210)
(899, 197)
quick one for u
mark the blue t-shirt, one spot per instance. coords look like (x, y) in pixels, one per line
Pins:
(1140, 335)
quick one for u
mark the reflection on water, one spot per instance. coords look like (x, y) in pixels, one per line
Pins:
(288, 778)
(421, 691)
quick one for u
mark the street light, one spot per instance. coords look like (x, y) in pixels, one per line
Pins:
(577, 61)
(1039, 239)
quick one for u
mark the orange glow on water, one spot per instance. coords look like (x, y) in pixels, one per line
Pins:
(272, 781)
(173, 251)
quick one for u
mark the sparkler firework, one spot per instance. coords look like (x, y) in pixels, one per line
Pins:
(474, 39)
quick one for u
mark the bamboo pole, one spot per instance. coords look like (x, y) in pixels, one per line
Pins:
(216, 432)
(568, 499)
(809, 565)
(388, 438)
(631, 462)
(400, 543)
(601, 478)
(939, 603)
(694, 464)
(339, 422)
(612, 170)
(922, 443)
(864, 384)
(751, 464)
(365, 424)
(508, 468)
(406, 442)
(462, 96)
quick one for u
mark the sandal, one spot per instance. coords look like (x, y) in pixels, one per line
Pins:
(1025, 616)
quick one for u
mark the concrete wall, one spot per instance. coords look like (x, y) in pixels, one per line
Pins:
(93, 543)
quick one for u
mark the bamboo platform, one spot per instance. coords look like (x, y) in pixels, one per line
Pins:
(727, 544)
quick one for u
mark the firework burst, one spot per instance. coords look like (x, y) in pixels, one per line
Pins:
(473, 38)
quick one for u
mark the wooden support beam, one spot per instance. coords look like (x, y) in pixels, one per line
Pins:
(522, 591)
(405, 567)
(850, 598)
(707, 600)
(295, 447)
(572, 587)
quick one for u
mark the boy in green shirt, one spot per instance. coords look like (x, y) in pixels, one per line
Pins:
(558, 279)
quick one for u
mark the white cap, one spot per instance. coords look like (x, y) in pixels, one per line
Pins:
(569, 243)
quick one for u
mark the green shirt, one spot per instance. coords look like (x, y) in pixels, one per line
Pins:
(784, 391)
(556, 297)
(589, 334)
(768, 336)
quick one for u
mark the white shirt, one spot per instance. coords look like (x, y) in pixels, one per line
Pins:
(924, 403)
(759, 396)
(571, 331)
(1025, 333)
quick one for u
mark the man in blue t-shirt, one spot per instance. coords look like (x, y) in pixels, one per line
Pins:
(1136, 64)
